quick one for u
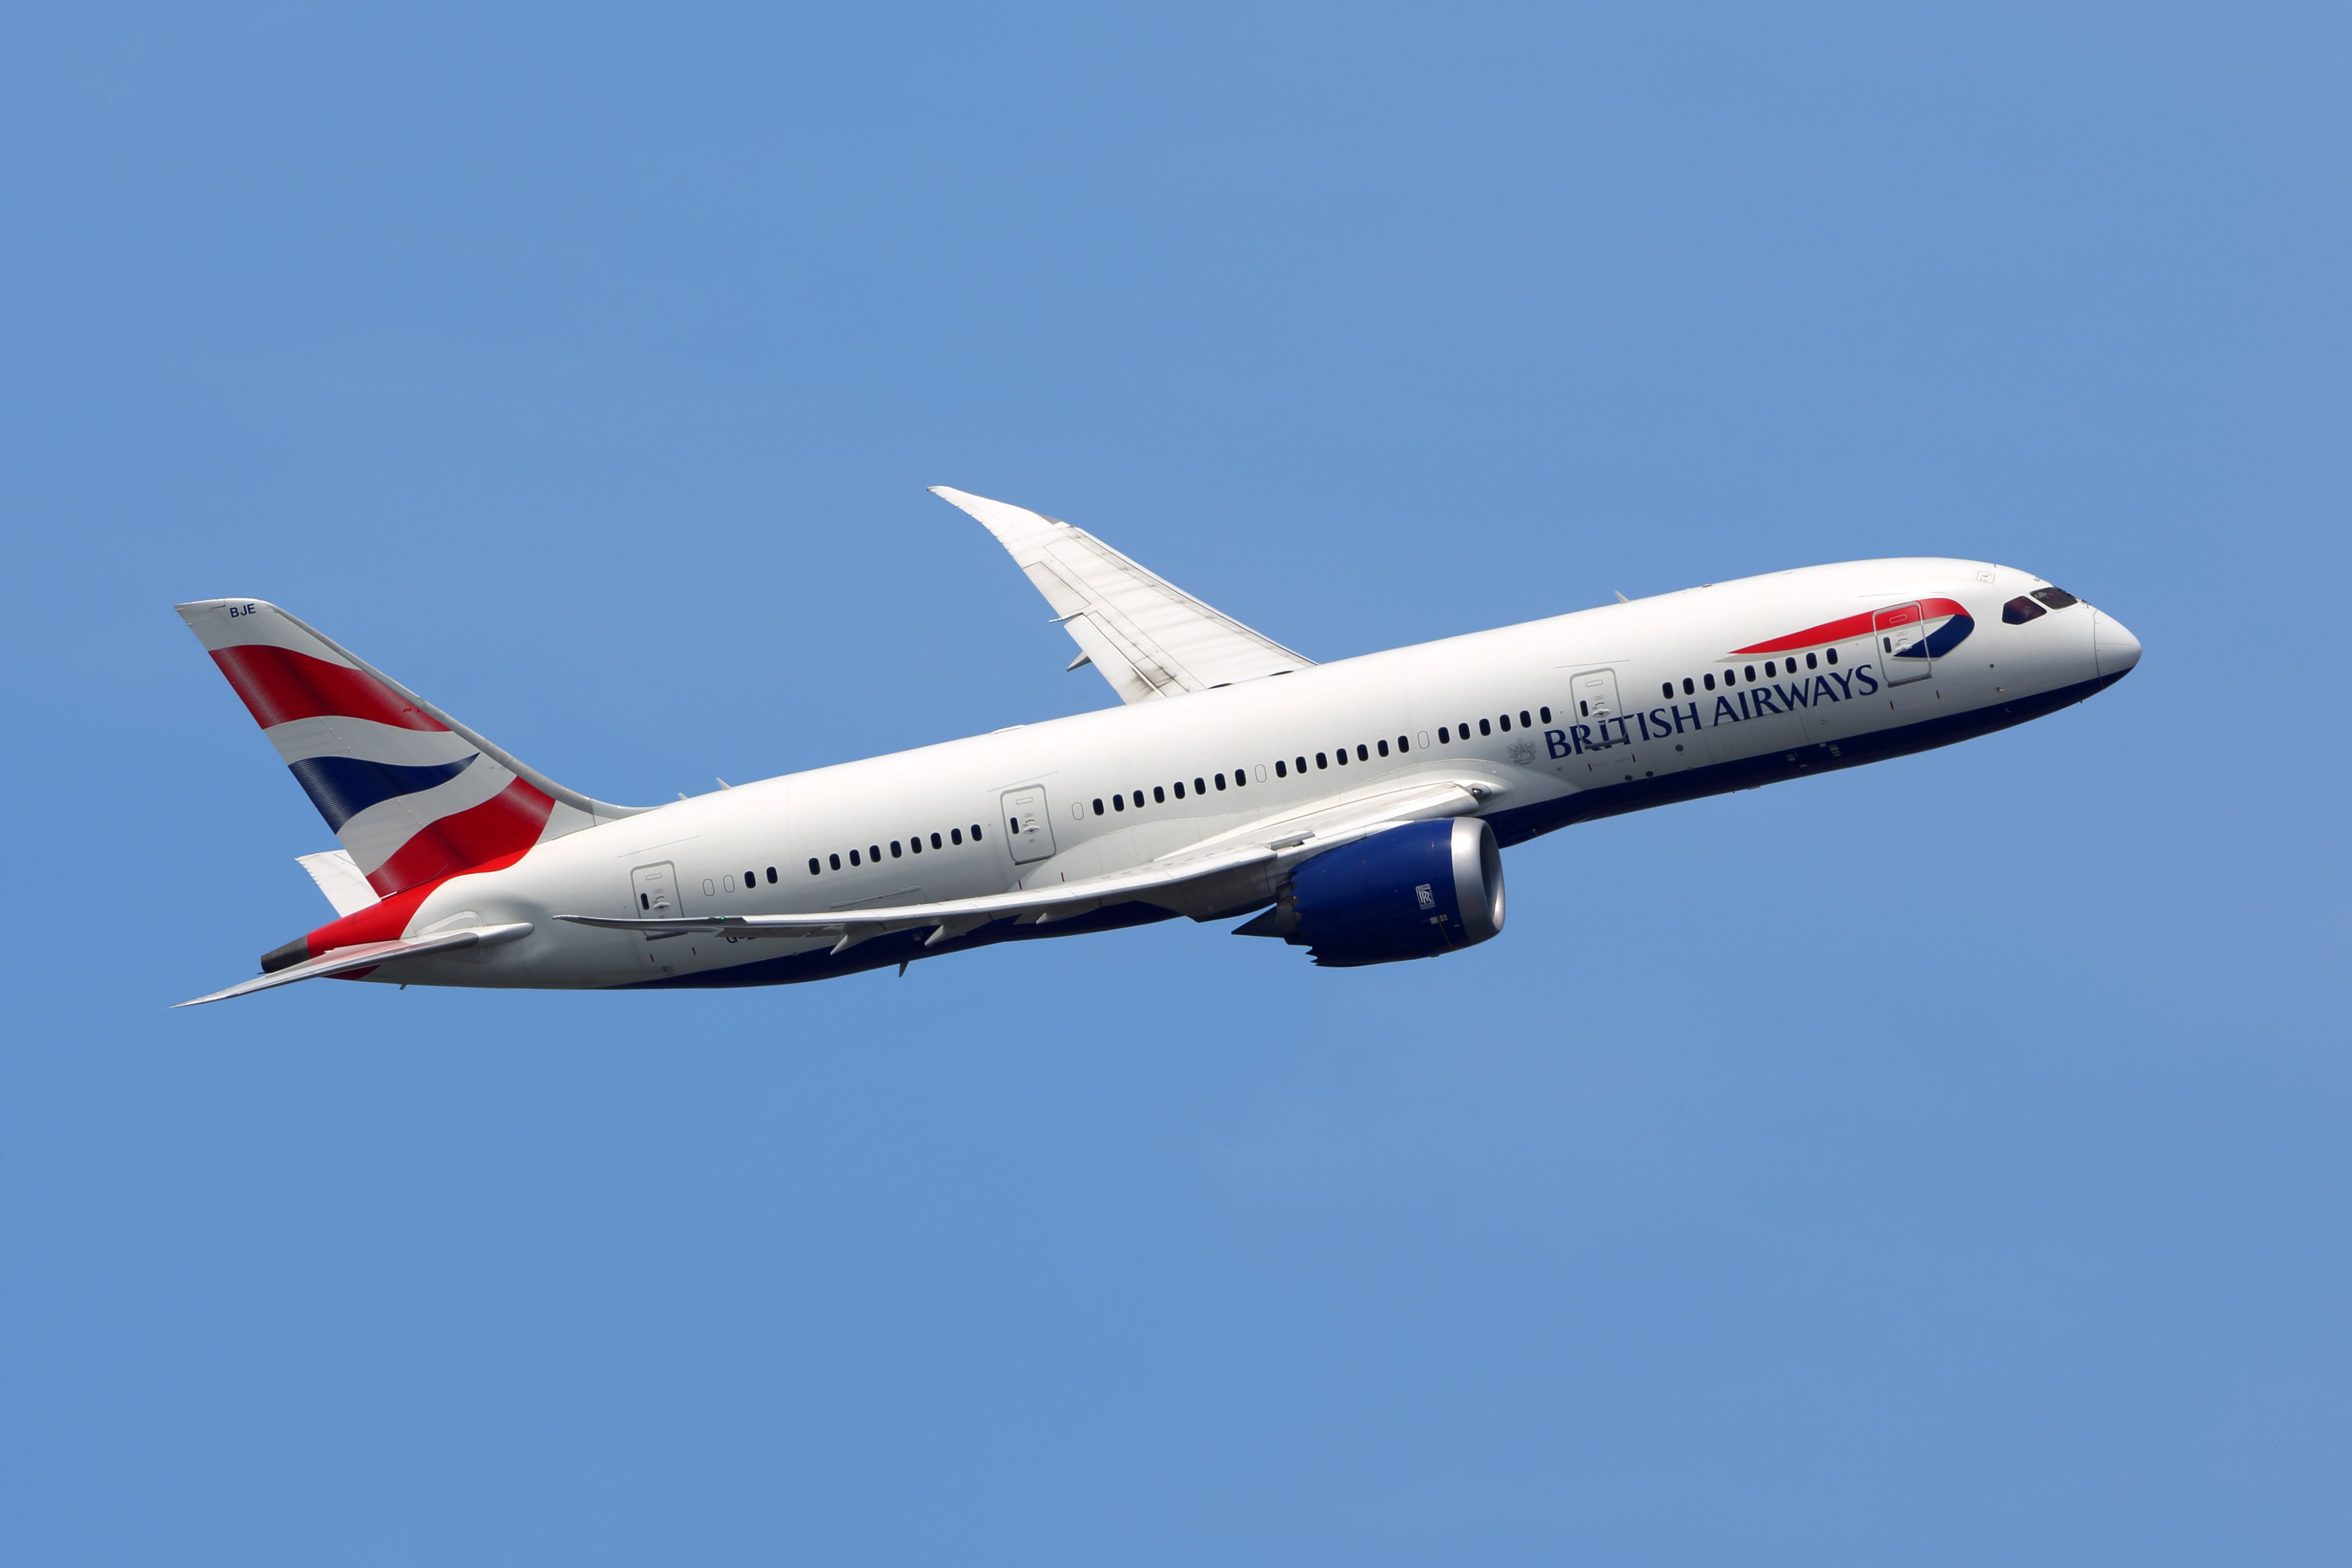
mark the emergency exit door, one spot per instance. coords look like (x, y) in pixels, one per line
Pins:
(1025, 825)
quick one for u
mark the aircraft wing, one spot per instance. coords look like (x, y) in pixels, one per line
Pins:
(1235, 871)
(1148, 636)
(368, 955)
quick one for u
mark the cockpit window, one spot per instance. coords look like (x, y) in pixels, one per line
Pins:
(2020, 610)
(2056, 599)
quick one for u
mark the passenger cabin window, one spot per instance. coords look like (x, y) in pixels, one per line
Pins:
(1485, 728)
(1362, 753)
(1322, 760)
(1118, 803)
(853, 857)
(1241, 777)
(1281, 768)
(1812, 662)
(874, 853)
(935, 841)
(1343, 756)
(1221, 781)
(956, 834)
(916, 843)
(771, 875)
(815, 869)
(2020, 610)
(836, 862)
(1689, 686)
(1751, 672)
(1298, 765)
(1200, 785)
(1547, 712)
(1401, 747)
(2056, 599)
(1158, 795)
(1443, 737)
(1830, 654)
(1709, 679)
(976, 832)
(895, 855)
(1384, 748)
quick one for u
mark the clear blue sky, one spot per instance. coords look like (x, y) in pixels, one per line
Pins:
(1942, 1162)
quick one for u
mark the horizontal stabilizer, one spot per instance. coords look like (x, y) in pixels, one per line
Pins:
(340, 878)
(368, 955)
(1148, 636)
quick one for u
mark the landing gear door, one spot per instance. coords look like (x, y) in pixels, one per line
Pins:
(1901, 634)
(1595, 695)
(1027, 826)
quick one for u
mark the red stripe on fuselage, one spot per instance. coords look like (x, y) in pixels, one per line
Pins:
(388, 919)
(278, 684)
(507, 823)
(1860, 626)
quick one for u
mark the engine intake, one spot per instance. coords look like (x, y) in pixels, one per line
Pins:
(1413, 892)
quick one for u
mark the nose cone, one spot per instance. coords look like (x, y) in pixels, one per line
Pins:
(2115, 649)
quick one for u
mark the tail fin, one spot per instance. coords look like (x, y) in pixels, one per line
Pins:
(414, 794)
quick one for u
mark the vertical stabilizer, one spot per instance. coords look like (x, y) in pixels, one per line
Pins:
(413, 795)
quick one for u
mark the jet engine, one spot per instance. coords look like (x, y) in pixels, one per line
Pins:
(1413, 892)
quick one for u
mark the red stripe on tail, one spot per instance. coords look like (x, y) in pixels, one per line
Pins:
(507, 823)
(278, 684)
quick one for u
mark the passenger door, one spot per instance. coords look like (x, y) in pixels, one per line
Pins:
(1028, 825)
(1595, 695)
(1896, 631)
(655, 891)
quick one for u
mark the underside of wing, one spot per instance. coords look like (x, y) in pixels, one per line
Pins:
(1229, 875)
(1148, 636)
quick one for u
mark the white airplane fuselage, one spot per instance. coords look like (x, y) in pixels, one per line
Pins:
(1508, 714)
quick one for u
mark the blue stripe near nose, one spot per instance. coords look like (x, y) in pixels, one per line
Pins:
(342, 788)
(1942, 640)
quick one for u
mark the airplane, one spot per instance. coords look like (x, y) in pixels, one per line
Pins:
(1357, 809)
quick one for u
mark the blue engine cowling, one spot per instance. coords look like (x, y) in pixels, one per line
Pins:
(1413, 892)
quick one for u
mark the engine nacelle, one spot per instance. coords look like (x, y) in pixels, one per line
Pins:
(1413, 892)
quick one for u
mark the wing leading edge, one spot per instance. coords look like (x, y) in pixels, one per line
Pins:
(1149, 638)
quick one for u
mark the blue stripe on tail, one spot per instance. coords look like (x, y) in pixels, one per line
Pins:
(342, 788)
